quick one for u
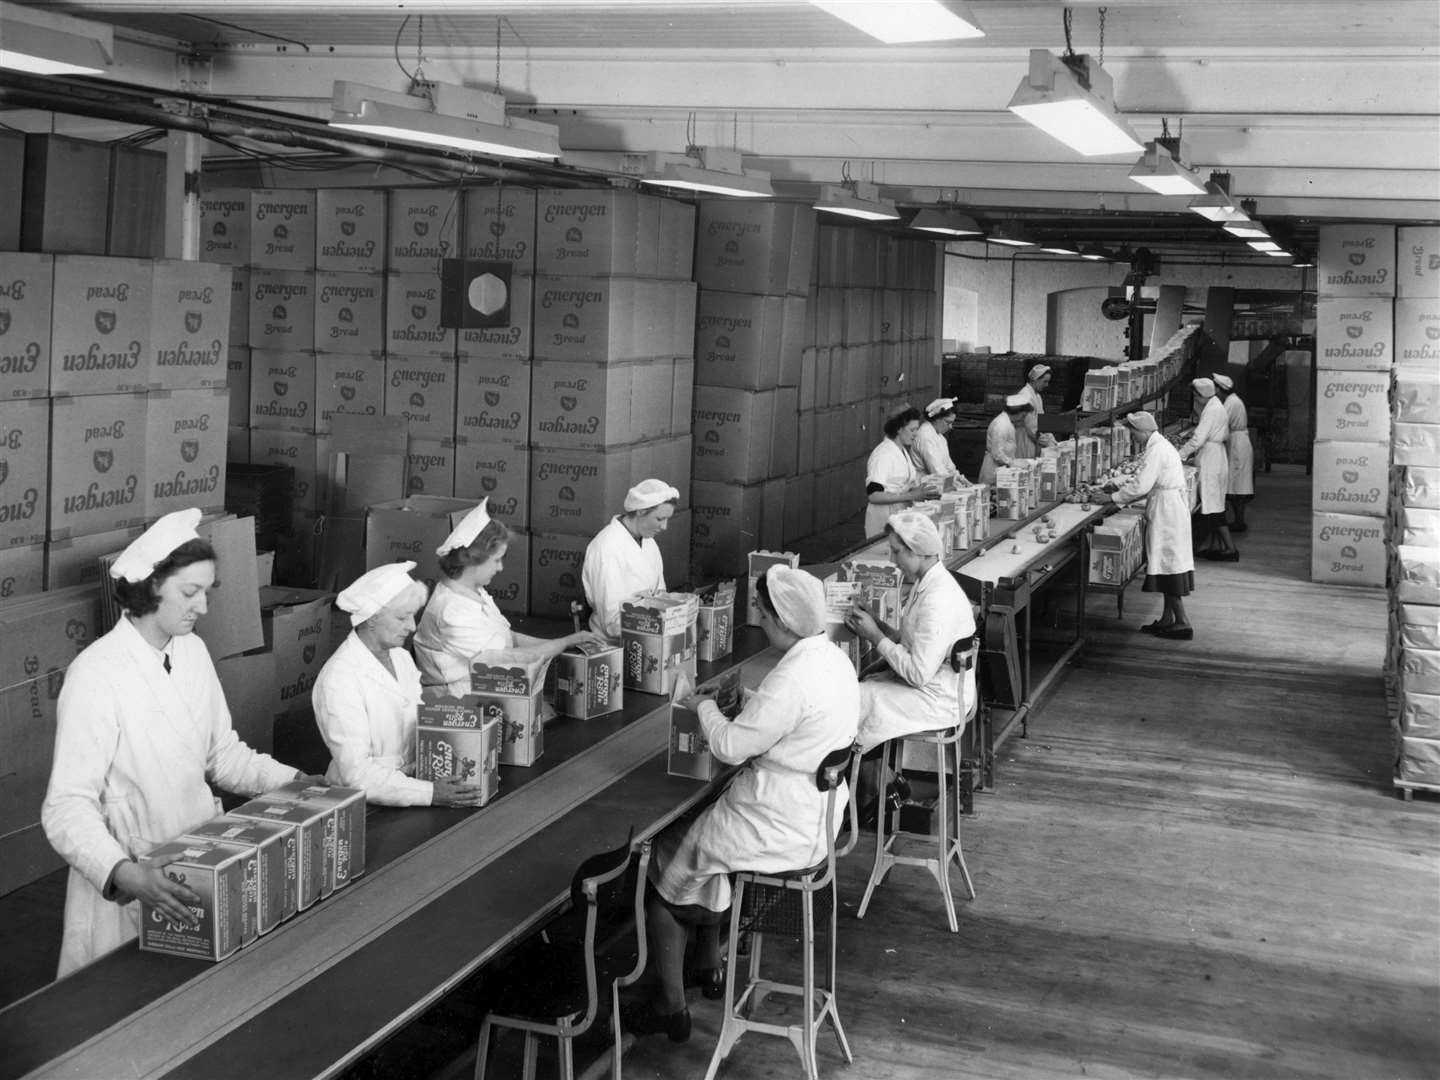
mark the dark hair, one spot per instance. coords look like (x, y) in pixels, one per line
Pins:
(143, 597)
(948, 411)
(897, 422)
(762, 592)
(668, 502)
(491, 539)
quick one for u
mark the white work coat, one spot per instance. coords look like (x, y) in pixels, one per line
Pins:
(133, 749)
(1207, 443)
(891, 466)
(1001, 446)
(367, 717)
(934, 452)
(921, 691)
(617, 568)
(771, 817)
(1239, 449)
(1167, 511)
(457, 624)
(1028, 435)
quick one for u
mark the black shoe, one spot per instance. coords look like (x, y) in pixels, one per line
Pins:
(1233, 555)
(1155, 627)
(644, 1020)
(711, 982)
(1239, 526)
(1177, 633)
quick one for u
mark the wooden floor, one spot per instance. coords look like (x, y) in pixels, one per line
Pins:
(1194, 866)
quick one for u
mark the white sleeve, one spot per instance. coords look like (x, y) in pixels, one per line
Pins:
(1138, 485)
(997, 445)
(343, 715)
(771, 713)
(230, 763)
(600, 590)
(930, 642)
(86, 737)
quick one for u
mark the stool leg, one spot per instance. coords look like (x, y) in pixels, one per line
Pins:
(532, 1044)
(567, 1058)
(941, 867)
(831, 980)
(731, 1027)
(955, 845)
(881, 865)
(482, 1048)
(807, 987)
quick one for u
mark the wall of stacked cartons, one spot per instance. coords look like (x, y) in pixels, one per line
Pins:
(1354, 359)
(1413, 562)
(753, 267)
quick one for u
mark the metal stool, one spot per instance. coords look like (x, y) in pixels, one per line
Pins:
(944, 841)
(793, 904)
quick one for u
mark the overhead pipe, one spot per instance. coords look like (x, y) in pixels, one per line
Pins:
(208, 117)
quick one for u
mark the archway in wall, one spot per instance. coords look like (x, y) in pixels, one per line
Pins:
(1075, 327)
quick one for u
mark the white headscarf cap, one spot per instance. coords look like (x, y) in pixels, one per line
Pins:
(1203, 387)
(938, 406)
(373, 589)
(471, 526)
(1225, 381)
(649, 493)
(1037, 371)
(917, 530)
(799, 599)
(138, 561)
(1017, 401)
(1142, 421)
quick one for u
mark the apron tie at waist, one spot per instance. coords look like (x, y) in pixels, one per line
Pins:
(775, 766)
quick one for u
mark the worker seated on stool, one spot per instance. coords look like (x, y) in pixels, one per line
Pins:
(920, 691)
(769, 818)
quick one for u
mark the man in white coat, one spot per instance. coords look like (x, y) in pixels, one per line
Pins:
(623, 561)
(142, 726)
(367, 697)
(921, 691)
(1170, 565)
(1240, 451)
(1207, 443)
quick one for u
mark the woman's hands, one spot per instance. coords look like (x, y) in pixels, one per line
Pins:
(311, 778)
(862, 621)
(693, 701)
(455, 791)
(147, 881)
(584, 637)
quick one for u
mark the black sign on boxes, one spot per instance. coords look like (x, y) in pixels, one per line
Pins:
(474, 293)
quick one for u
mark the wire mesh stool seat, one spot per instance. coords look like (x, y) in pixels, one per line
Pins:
(944, 841)
(790, 904)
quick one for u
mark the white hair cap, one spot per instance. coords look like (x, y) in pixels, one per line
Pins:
(917, 531)
(1142, 421)
(1203, 387)
(649, 493)
(1037, 371)
(373, 589)
(799, 599)
(1225, 381)
(938, 406)
(1017, 401)
(471, 526)
(138, 561)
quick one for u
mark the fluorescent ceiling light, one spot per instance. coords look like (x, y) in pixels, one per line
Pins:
(1010, 234)
(1265, 245)
(1247, 230)
(1217, 204)
(443, 115)
(945, 223)
(1278, 254)
(709, 170)
(856, 199)
(898, 21)
(43, 43)
(1094, 254)
(1058, 250)
(1161, 169)
(1073, 100)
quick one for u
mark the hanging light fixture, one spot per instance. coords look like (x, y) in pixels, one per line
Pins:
(1009, 234)
(443, 115)
(709, 170)
(897, 21)
(946, 223)
(1059, 249)
(854, 198)
(1162, 167)
(1245, 227)
(44, 43)
(1073, 99)
(1217, 204)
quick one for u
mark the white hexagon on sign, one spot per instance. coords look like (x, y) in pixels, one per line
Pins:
(487, 293)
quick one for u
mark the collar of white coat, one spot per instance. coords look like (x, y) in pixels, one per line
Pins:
(367, 664)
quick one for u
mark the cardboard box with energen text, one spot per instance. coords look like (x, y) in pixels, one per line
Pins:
(282, 390)
(275, 845)
(500, 226)
(350, 230)
(658, 635)
(492, 401)
(1351, 478)
(759, 247)
(309, 821)
(185, 447)
(348, 832)
(578, 491)
(689, 751)
(225, 226)
(189, 325)
(282, 310)
(1417, 332)
(731, 429)
(579, 405)
(510, 342)
(349, 313)
(26, 287)
(282, 229)
(423, 227)
(458, 737)
(499, 472)
(226, 879)
(514, 695)
(24, 470)
(422, 390)
(1352, 406)
(1356, 260)
(584, 318)
(100, 325)
(297, 627)
(97, 463)
(588, 680)
(1347, 549)
(1354, 334)
(587, 232)
(347, 384)
(410, 529)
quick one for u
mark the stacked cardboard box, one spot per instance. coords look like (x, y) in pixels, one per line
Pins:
(1354, 341)
(1413, 567)
(611, 377)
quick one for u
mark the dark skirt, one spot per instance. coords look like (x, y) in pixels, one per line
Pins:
(1170, 584)
(1211, 520)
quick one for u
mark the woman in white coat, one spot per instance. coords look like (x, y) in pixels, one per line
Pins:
(367, 697)
(1030, 440)
(623, 561)
(1238, 448)
(1170, 565)
(1207, 443)
(920, 691)
(1002, 437)
(461, 622)
(771, 817)
(892, 478)
(142, 726)
(932, 448)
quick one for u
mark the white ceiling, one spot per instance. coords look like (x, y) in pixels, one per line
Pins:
(1320, 110)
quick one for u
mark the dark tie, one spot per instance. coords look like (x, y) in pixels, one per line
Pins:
(166, 658)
